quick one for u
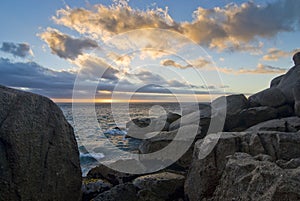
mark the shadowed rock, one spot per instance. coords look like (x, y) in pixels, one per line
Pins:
(205, 172)
(272, 97)
(39, 158)
(246, 178)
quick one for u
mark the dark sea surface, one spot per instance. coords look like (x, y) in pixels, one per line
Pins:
(98, 142)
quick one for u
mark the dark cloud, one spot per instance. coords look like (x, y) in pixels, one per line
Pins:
(16, 49)
(95, 67)
(66, 46)
(149, 78)
(35, 78)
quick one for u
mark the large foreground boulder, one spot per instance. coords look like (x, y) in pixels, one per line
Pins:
(39, 158)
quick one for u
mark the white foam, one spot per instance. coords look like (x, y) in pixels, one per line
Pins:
(96, 156)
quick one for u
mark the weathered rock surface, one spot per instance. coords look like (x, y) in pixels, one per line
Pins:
(189, 107)
(287, 82)
(276, 81)
(249, 117)
(296, 93)
(146, 195)
(113, 176)
(205, 173)
(289, 124)
(39, 158)
(233, 103)
(165, 185)
(160, 140)
(272, 97)
(121, 192)
(199, 118)
(245, 178)
(92, 187)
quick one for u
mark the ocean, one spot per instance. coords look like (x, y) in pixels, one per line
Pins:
(100, 143)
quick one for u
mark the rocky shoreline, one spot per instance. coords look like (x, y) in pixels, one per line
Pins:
(256, 156)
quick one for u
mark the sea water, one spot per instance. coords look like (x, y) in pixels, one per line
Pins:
(98, 143)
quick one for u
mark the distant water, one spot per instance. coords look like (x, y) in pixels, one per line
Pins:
(93, 145)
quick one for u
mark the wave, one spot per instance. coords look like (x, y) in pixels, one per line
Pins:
(115, 131)
(90, 157)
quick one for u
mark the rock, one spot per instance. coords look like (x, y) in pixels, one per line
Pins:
(146, 195)
(245, 178)
(171, 117)
(189, 119)
(121, 192)
(276, 81)
(288, 83)
(39, 158)
(137, 128)
(201, 118)
(249, 117)
(290, 124)
(162, 139)
(190, 107)
(281, 145)
(233, 103)
(296, 93)
(140, 122)
(285, 111)
(291, 164)
(164, 185)
(296, 58)
(272, 97)
(205, 172)
(113, 176)
(92, 187)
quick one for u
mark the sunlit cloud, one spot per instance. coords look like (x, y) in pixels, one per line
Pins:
(172, 63)
(260, 69)
(197, 63)
(66, 46)
(275, 54)
(234, 27)
(103, 21)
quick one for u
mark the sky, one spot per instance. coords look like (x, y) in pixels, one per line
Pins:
(146, 51)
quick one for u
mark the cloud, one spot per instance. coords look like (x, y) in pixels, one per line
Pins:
(233, 27)
(102, 21)
(198, 63)
(149, 78)
(36, 78)
(17, 49)
(169, 62)
(94, 68)
(274, 54)
(55, 84)
(260, 69)
(66, 46)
